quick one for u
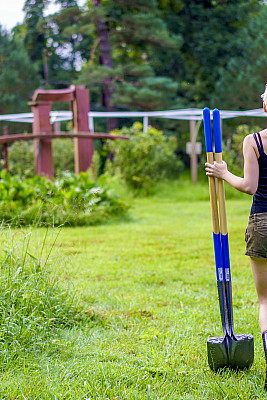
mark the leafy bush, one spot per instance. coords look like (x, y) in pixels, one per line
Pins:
(70, 199)
(63, 154)
(234, 157)
(21, 157)
(146, 158)
(33, 303)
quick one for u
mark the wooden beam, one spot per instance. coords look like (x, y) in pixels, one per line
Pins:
(60, 135)
(53, 95)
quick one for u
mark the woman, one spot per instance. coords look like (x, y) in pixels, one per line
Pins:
(254, 182)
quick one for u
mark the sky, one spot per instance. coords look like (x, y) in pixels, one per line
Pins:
(11, 12)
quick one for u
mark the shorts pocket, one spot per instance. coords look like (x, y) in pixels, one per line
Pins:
(256, 236)
(261, 228)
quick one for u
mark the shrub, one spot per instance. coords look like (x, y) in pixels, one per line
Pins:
(146, 158)
(63, 154)
(70, 199)
(21, 157)
(234, 157)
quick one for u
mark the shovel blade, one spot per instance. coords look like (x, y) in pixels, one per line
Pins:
(217, 353)
(241, 352)
(235, 352)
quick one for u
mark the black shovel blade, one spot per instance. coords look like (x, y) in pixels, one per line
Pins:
(217, 353)
(235, 352)
(241, 351)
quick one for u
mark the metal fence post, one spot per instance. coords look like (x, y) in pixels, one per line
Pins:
(145, 123)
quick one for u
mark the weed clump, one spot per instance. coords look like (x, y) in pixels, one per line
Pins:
(33, 303)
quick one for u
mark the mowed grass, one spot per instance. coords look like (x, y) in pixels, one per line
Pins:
(150, 285)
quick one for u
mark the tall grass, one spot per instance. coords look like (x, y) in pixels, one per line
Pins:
(33, 303)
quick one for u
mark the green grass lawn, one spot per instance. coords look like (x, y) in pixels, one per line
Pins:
(149, 289)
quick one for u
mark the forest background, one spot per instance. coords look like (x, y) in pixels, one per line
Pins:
(139, 55)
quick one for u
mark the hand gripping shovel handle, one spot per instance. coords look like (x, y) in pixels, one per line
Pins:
(215, 222)
(223, 224)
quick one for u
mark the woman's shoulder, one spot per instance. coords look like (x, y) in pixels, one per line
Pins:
(249, 142)
(263, 134)
(249, 139)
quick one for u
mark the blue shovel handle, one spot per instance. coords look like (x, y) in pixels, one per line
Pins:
(207, 130)
(217, 130)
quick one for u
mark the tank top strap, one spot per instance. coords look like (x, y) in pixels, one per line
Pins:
(258, 141)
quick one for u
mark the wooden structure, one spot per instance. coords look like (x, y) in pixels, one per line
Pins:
(78, 96)
(194, 127)
(43, 134)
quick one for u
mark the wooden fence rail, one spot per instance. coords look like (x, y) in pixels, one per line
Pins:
(6, 139)
(58, 135)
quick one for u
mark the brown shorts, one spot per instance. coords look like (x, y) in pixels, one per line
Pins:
(256, 236)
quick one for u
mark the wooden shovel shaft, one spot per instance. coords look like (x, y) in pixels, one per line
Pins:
(221, 199)
(213, 199)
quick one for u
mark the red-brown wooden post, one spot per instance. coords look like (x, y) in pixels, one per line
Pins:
(83, 148)
(42, 147)
(193, 155)
(5, 148)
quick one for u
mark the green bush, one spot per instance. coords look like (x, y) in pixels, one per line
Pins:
(69, 199)
(146, 158)
(21, 157)
(234, 157)
(63, 154)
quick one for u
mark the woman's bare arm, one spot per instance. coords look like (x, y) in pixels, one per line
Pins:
(249, 183)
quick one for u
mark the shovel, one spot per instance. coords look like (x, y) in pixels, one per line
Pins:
(230, 351)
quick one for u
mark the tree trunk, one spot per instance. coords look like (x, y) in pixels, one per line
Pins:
(46, 68)
(112, 123)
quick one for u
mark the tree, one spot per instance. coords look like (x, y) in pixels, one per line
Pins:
(105, 59)
(212, 37)
(18, 76)
(65, 45)
(35, 41)
(242, 80)
(52, 42)
(119, 68)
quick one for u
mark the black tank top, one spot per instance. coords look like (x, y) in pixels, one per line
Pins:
(259, 204)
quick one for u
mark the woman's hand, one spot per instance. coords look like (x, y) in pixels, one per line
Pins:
(216, 169)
